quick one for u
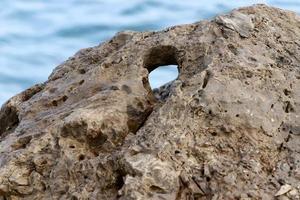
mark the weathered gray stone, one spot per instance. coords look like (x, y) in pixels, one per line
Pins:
(226, 128)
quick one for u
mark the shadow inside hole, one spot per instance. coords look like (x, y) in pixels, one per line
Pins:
(162, 75)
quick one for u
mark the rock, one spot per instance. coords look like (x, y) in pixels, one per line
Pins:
(283, 190)
(238, 22)
(293, 193)
(226, 128)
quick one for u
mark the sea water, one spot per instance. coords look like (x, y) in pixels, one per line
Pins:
(37, 35)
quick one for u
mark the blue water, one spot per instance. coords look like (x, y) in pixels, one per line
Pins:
(36, 35)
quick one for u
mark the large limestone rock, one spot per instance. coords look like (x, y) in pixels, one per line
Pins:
(227, 128)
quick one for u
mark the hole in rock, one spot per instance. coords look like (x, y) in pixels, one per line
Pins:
(162, 75)
(8, 119)
(81, 157)
(81, 82)
(177, 151)
(119, 179)
(156, 189)
(162, 64)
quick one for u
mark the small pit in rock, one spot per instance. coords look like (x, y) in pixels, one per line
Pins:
(81, 157)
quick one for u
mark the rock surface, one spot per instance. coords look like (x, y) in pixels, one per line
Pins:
(227, 128)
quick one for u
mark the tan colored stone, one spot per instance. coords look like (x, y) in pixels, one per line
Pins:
(283, 190)
(226, 128)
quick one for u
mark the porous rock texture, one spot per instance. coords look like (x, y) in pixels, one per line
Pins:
(227, 128)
